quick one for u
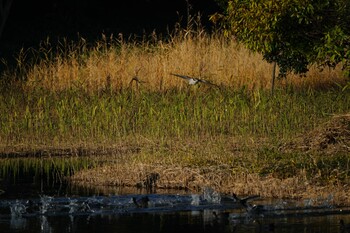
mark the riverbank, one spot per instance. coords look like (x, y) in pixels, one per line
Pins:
(117, 103)
(312, 166)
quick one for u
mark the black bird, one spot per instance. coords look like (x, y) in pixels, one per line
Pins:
(192, 80)
(142, 202)
(244, 203)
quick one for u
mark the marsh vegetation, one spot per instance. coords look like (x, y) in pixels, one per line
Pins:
(79, 99)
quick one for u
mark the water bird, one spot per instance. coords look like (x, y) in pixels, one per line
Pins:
(244, 203)
(141, 203)
(137, 80)
(192, 80)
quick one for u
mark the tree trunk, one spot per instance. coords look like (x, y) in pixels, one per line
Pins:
(273, 77)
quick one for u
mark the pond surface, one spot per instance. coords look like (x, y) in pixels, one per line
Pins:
(32, 204)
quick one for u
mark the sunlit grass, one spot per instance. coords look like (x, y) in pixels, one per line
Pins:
(79, 117)
(78, 93)
(112, 62)
(78, 96)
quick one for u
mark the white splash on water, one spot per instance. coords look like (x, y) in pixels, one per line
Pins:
(18, 209)
(211, 196)
(195, 199)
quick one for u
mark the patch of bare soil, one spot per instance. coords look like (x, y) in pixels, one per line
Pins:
(329, 138)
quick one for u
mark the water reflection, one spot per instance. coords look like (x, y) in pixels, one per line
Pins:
(188, 221)
(36, 204)
(206, 212)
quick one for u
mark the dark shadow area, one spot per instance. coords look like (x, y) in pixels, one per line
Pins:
(30, 22)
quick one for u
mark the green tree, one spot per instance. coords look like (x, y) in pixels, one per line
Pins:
(292, 33)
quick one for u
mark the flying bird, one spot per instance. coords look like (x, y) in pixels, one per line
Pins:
(244, 202)
(192, 80)
(136, 80)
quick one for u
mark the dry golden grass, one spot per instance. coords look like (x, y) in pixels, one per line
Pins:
(331, 137)
(235, 165)
(219, 178)
(114, 62)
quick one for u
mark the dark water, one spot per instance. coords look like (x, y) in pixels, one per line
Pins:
(41, 205)
(192, 221)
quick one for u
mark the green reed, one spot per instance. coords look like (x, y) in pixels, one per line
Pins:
(77, 116)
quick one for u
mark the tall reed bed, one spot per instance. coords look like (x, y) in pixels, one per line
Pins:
(79, 92)
(72, 117)
(113, 61)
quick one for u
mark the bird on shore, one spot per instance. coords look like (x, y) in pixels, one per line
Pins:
(142, 202)
(192, 80)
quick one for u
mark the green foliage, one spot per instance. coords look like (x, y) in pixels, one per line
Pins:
(293, 33)
(73, 117)
(336, 49)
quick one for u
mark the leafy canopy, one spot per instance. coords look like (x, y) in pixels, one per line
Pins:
(292, 33)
